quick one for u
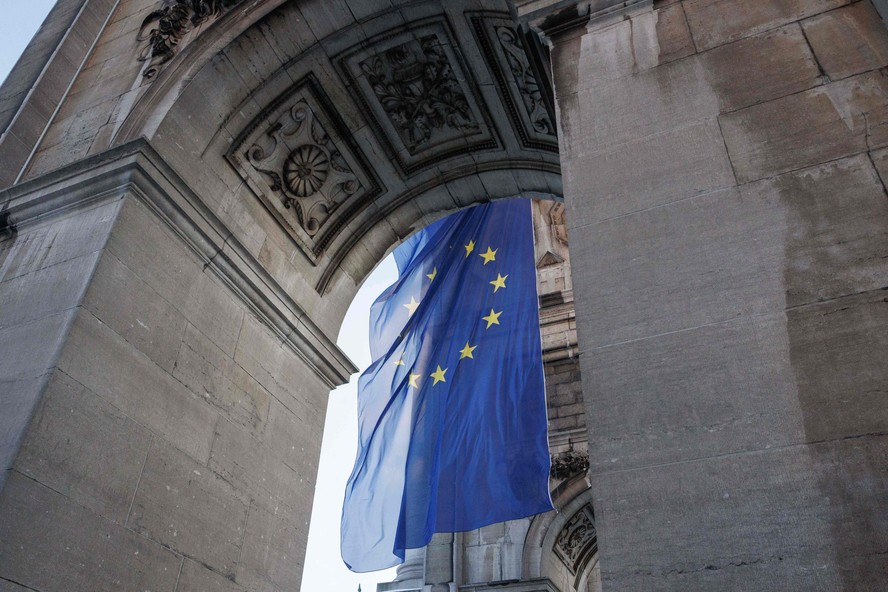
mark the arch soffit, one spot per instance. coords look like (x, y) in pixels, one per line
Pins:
(339, 163)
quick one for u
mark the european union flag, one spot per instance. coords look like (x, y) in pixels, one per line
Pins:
(452, 412)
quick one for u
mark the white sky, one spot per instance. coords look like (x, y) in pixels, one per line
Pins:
(324, 570)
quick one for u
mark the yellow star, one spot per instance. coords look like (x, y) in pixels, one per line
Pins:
(492, 318)
(470, 247)
(411, 306)
(398, 362)
(466, 352)
(414, 380)
(432, 275)
(499, 282)
(438, 375)
(489, 256)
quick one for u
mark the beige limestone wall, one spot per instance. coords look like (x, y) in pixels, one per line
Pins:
(728, 220)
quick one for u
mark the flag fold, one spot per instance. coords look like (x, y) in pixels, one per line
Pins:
(451, 412)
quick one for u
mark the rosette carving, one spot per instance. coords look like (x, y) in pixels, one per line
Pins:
(303, 166)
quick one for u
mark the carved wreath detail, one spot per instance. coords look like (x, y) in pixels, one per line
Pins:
(526, 81)
(302, 164)
(419, 92)
(577, 540)
(568, 463)
(165, 27)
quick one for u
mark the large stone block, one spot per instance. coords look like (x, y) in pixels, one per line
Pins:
(209, 372)
(645, 174)
(20, 400)
(822, 124)
(49, 543)
(188, 508)
(82, 447)
(835, 241)
(673, 34)
(849, 40)
(47, 291)
(713, 390)
(105, 363)
(715, 22)
(161, 259)
(258, 470)
(131, 308)
(837, 354)
(273, 552)
(30, 349)
(798, 519)
(761, 68)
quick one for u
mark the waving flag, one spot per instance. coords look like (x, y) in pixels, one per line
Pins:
(452, 413)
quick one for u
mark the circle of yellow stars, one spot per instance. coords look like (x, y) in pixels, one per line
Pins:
(468, 350)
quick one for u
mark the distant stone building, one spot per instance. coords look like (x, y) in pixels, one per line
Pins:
(191, 192)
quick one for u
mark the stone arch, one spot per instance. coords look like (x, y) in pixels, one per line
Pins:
(562, 546)
(220, 107)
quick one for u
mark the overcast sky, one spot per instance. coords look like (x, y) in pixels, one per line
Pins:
(325, 571)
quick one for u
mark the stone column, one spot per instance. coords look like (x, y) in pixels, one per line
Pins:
(177, 393)
(723, 164)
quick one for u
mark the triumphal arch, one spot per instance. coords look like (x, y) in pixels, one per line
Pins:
(191, 192)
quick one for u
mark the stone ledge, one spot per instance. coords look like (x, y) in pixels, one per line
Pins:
(137, 169)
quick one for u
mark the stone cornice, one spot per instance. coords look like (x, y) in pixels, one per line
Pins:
(136, 169)
(552, 18)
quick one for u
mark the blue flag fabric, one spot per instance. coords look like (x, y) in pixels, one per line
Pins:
(452, 430)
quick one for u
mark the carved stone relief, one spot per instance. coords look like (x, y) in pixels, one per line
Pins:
(163, 30)
(568, 464)
(301, 161)
(421, 98)
(577, 541)
(517, 82)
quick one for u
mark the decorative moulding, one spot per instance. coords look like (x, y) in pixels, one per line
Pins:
(300, 159)
(135, 169)
(520, 88)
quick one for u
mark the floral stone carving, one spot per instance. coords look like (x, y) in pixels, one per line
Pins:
(165, 28)
(312, 177)
(577, 541)
(301, 161)
(416, 87)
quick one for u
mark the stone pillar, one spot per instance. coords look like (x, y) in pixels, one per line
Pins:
(723, 164)
(177, 393)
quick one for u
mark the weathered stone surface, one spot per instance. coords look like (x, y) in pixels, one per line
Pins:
(197, 578)
(648, 173)
(822, 124)
(142, 317)
(849, 40)
(188, 508)
(47, 291)
(745, 72)
(835, 242)
(208, 372)
(714, 22)
(271, 545)
(51, 544)
(663, 399)
(20, 400)
(673, 34)
(31, 349)
(57, 241)
(836, 353)
(101, 360)
(82, 447)
(160, 259)
(257, 469)
(771, 518)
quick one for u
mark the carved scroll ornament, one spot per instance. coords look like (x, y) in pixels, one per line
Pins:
(577, 541)
(164, 28)
(525, 80)
(305, 168)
